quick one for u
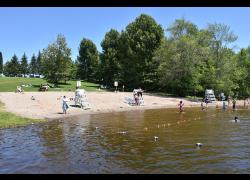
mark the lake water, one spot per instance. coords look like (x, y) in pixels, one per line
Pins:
(125, 142)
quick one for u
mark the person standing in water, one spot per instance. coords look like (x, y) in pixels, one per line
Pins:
(65, 106)
(181, 104)
(206, 101)
(228, 100)
(202, 106)
(234, 105)
(224, 106)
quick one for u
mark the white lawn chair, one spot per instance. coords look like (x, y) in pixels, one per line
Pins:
(81, 99)
(131, 101)
(19, 89)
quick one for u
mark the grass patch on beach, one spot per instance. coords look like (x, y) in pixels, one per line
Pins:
(9, 84)
(8, 120)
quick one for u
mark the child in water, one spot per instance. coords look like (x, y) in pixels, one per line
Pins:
(202, 106)
(236, 119)
(181, 104)
(65, 106)
(224, 106)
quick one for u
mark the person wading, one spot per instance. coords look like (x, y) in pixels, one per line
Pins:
(181, 104)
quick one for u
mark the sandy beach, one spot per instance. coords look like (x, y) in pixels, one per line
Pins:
(48, 105)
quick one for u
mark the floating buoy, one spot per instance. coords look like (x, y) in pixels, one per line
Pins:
(156, 138)
(123, 132)
(199, 144)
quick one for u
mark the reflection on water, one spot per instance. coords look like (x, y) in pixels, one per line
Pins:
(124, 143)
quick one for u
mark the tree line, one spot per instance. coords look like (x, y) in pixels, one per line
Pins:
(185, 61)
(16, 67)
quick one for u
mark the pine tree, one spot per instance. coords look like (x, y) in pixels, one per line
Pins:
(38, 64)
(24, 65)
(32, 66)
(1, 63)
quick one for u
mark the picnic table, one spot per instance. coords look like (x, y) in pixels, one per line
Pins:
(44, 88)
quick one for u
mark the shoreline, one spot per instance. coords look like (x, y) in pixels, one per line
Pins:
(47, 105)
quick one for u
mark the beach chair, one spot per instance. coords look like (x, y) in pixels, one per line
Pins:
(44, 88)
(131, 101)
(19, 89)
(81, 99)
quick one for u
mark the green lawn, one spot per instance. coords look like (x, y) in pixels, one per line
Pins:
(9, 84)
(8, 120)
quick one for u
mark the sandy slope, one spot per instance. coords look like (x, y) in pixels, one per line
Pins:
(48, 106)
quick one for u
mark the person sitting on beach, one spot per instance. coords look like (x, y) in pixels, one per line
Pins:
(65, 106)
(136, 97)
(139, 92)
(32, 98)
(181, 104)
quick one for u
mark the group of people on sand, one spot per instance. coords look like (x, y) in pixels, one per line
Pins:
(137, 93)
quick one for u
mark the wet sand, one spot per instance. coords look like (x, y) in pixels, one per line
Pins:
(48, 105)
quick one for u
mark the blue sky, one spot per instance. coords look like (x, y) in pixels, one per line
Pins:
(32, 29)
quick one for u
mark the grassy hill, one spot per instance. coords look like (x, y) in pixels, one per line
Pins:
(9, 84)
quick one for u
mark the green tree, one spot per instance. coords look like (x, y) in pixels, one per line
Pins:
(87, 60)
(222, 55)
(137, 45)
(12, 68)
(32, 65)
(110, 66)
(182, 27)
(56, 61)
(73, 70)
(180, 65)
(38, 64)
(1, 63)
(221, 37)
(242, 73)
(24, 65)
